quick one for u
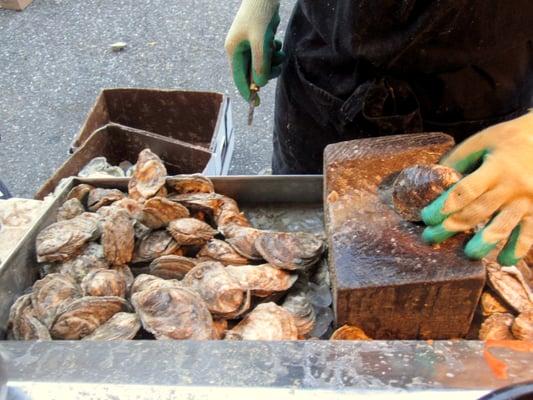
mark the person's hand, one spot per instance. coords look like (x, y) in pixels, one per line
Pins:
(500, 189)
(250, 44)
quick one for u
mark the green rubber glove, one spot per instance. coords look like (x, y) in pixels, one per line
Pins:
(497, 193)
(251, 47)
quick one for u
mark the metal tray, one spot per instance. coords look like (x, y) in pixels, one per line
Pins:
(219, 369)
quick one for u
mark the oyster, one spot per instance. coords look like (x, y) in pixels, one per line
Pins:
(80, 192)
(262, 280)
(190, 231)
(103, 197)
(497, 327)
(218, 250)
(267, 321)
(134, 208)
(145, 281)
(158, 212)
(90, 258)
(171, 311)
(141, 231)
(220, 326)
(156, 244)
(207, 203)
(118, 237)
(23, 325)
(149, 176)
(290, 250)
(82, 316)
(121, 326)
(52, 293)
(509, 284)
(195, 183)
(224, 295)
(349, 332)
(172, 266)
(63, 240)
(104, 282)
(70, 209)
(417, 186)
(243, 240)
(127, 275)
(522, 327)
(490, 304)
(298, 304)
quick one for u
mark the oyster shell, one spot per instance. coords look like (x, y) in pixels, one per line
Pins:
(522, 327)
(133, 207)
(208, 203)
(417, 186)
(263, 280)
(22, 324)
(149, 176)
(509, 284)
(298, 304)
(172, 266)
(82, 316)
(127, 275)
(220, 326)
(190, 231)
(121, 326)
(90, 258)
(80, 192)
(145, 281)
(104, 282)
(195, 183)
(118, 237)
(156, 244)
(63, 240)
(497, 327)
(267, 321)
(348, 332)
(289, 250)
(243, 239)
(224, 295)
(171, 311)
(490, 304)
(141, 231)
(158, 212)
(52, 293)
(99, 197)
(70, 209)
(218, 250)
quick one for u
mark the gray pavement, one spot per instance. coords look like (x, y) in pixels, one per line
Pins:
(55, 57)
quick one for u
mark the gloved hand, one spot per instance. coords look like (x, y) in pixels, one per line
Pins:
(251, 46)
(501, 188)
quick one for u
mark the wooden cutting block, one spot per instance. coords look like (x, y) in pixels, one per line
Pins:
(385, 280)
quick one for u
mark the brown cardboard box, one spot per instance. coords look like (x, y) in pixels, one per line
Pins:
(18, 5)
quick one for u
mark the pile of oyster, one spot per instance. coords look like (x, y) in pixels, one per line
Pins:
(171, 259)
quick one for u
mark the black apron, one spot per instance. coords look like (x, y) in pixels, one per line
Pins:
(363, 68)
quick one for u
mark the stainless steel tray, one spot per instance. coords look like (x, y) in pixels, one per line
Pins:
(219, 369)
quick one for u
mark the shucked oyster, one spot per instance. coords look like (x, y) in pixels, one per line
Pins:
(63, 240)
(243, 240)
(158, 212)
(121, 326)
(267, 321)
(82, 316)
(50, 294)
(497, 327)
(172, 266)
(171, 311)
(417, 186)
(90, 258)
(156, 244)
(509, 284)
(523, 326)
(149, 176)
(224, 295)
(263, 280)
(195, 183)
(23, 325)
(70, 209)
(289, 250)
(118, 237)
(104, 282)
(190, 231)
(99, 197)
(218, 250)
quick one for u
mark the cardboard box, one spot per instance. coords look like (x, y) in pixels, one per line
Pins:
(18, 5)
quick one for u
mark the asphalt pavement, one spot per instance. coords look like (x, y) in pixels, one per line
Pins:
(55, 57)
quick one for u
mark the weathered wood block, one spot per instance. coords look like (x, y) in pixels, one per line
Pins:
(384, 278)
(15, 4)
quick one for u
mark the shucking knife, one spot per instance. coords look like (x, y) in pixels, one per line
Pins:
(253, 99)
